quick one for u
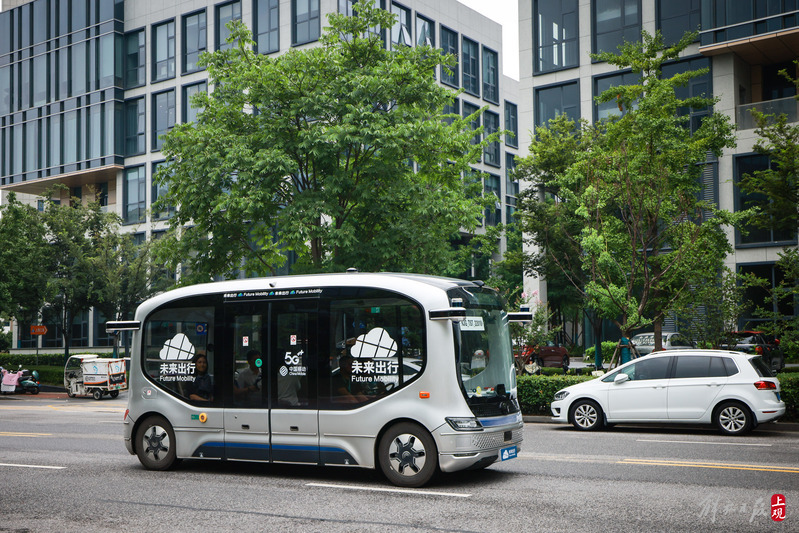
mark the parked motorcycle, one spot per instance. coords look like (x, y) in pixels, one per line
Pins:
(23, 380)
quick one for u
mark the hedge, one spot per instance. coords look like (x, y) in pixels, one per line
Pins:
(536, 392)
(12, 361)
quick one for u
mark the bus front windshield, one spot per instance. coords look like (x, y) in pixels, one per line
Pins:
(483, 348)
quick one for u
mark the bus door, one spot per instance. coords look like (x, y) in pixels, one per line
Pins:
(293, 355)
(246, 415)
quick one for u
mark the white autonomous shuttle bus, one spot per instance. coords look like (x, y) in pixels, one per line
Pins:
(406, 372)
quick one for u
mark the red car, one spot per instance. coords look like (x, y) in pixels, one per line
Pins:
(551, 355)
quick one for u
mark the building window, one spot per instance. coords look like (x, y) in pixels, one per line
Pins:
(425, 32)
(101, 194)
(610, 108)
(556, 35)
(557, 100)
(616, 21)
(452, 109)
(491, 186)
(190, 113)
(491, 150)
(699, 86)
(304, 21)
(760, 297)
(347, 7)
(134, 200)
(468, 110)
(490, 76)
(471, 67)
(757, 234)
(267, 26)
(134, 127)
(511, 124)
(164, 51)
(224, 14)
(511, 185)
(401, 30)
(159, 191)
(675, 17)
(5, 90)
(194, 40)
(449, 45)
(163, 116)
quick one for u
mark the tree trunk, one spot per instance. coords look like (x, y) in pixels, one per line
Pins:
(657, 327)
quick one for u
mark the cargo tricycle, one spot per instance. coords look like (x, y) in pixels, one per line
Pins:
(89, 375)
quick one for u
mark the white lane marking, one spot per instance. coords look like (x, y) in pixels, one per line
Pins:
(35, 466)
(383, 489)
(699, 442)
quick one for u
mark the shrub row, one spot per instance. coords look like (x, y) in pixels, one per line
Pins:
(12, 361)
(536, 392)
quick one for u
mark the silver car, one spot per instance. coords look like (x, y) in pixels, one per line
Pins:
(672, 340)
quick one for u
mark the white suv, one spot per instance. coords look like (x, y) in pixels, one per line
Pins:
(733, 390)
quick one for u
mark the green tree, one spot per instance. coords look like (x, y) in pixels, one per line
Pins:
(634, 183)
(715, 303)
(76, 233)
(24, 262)
(548, 217)
(338, 152)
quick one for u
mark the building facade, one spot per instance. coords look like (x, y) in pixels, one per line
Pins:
(743, 43)
(87, 87)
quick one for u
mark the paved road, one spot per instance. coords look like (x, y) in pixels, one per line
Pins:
(65, 469)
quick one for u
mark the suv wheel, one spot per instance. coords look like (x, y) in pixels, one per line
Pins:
(733, 418)
(586, 415)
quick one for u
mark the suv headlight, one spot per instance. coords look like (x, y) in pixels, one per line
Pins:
(561, 395)
(464, 424)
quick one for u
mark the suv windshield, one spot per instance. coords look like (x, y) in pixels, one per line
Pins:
(483, 349)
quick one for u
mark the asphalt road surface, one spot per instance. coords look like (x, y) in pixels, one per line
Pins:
(63, 467)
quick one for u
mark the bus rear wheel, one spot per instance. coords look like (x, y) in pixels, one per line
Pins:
(155, 444)
(407, 455)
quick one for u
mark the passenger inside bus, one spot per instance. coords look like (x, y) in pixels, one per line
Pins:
(247, 387)
(343, 389)
(202, 388)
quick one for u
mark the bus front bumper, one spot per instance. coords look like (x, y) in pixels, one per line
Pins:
(465, 450)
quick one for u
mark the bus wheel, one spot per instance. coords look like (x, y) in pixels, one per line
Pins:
(155, 444)
(407, 455)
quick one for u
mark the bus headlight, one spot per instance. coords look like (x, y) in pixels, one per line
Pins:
(464, 424)
(561, 395)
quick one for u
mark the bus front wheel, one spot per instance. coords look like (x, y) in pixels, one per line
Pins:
(407, 455)
(155, 444)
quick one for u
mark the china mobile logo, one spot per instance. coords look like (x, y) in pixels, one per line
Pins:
(778, 507)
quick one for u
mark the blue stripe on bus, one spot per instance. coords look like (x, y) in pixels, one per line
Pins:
(274, 447)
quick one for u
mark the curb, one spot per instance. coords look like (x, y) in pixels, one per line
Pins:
(768, 426)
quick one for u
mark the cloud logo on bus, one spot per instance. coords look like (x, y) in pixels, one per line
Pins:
(178, 348)
(376, 343)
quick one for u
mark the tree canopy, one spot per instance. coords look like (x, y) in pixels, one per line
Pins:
(633, 182)
(338, 152)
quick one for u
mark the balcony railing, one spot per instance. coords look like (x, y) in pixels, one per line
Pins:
(782, 106)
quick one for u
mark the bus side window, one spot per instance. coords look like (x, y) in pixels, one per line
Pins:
(175, 339)
(377, 346)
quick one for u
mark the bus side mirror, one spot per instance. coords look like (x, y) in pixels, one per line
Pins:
(523, 315)
(122, 325)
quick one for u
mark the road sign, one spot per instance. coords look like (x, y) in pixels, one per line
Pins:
(38, 330)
